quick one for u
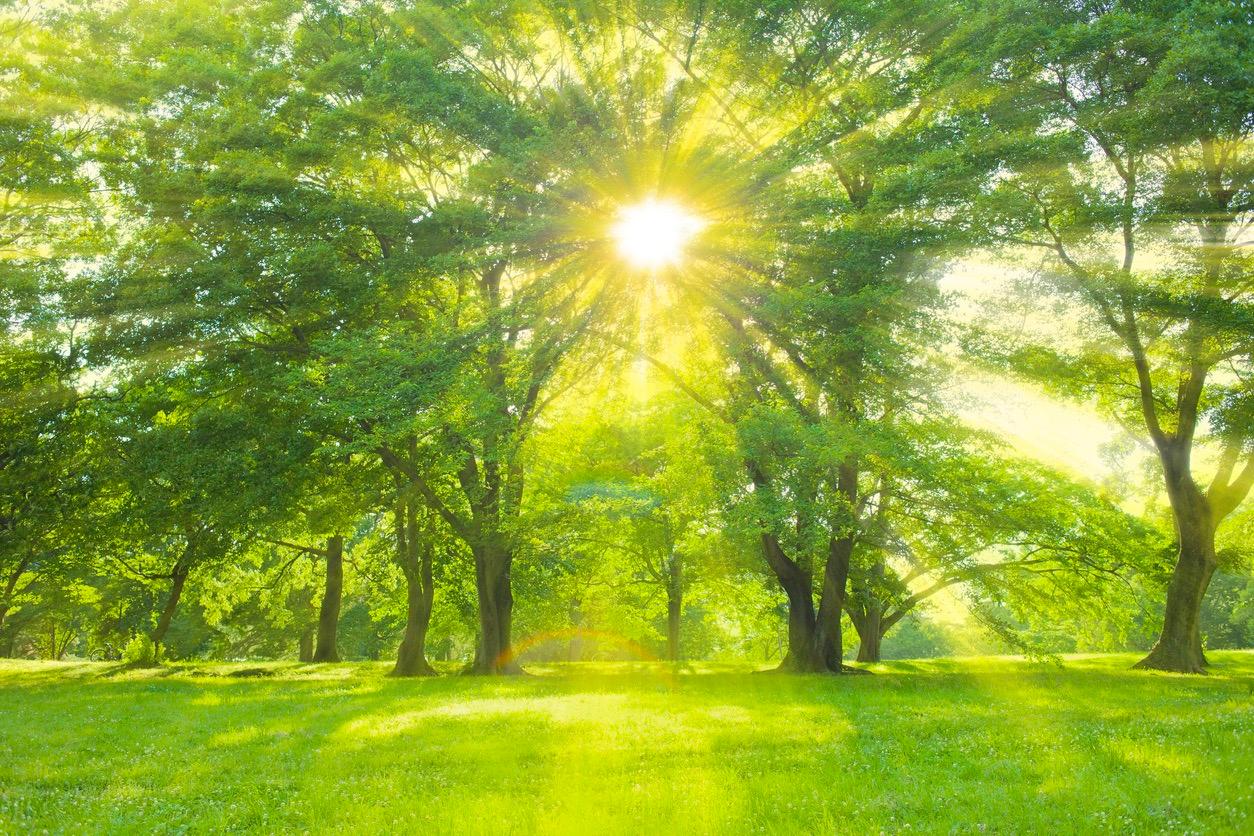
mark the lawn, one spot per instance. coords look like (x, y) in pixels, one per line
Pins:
(969, 745)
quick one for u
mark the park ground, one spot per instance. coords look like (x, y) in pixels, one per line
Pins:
(956, 745)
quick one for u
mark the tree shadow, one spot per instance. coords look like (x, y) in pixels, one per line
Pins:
(344, 747)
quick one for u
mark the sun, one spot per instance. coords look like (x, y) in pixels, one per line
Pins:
(652, 234)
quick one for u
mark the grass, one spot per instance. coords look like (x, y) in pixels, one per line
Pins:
(970, 745)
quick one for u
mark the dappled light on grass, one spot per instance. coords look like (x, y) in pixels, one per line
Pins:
(580, 708)
(1009, 744)
(235, 737)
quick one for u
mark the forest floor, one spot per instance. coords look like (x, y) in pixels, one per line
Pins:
(953, 745)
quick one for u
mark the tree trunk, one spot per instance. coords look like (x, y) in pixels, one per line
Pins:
(1179, 645)
(829, 636)
(494, 654)
(674, 600)
(411, 658)
(574, 651)
(414, 555)
(870, 633)
(178, 578)
(829, 632)
(505, 617)
(305, 653)
(866, 611)
(674, 609)
(801, 655)
(332, 593)
(487, 650)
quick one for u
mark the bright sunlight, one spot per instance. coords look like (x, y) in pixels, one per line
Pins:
(652, 234)
(428, 416)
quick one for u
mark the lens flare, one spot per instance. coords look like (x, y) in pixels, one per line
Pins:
(652, 234)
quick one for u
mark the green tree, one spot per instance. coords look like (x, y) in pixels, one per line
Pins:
(1133, 174)
(829, 329)
(959, 512)
(631, 495)
(185, 486)
(46, 221)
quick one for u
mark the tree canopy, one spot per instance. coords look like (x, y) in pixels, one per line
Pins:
(478, 332)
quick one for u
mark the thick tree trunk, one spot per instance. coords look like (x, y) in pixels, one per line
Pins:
(178, 579)
(802, 655)
(487, 650)
(1179, 645)
(414, 555)
(495, 653)
(505, 617)
(829, 636)
(332, 593)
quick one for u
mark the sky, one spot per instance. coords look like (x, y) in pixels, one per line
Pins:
(1064, 435)
(1060, 433)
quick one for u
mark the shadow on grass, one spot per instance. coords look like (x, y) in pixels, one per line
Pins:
(1009, 745)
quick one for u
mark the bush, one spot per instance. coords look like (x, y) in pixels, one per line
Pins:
(140, 652)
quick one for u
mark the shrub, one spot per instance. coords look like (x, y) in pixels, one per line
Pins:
(140, 652)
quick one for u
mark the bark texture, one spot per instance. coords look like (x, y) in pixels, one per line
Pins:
(1179, 645)
(332, 594)
(495, 653)
(414, 553)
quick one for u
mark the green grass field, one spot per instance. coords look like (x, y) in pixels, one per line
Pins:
(968, 745)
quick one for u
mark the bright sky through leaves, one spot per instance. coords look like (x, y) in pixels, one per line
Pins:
(653, 233)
